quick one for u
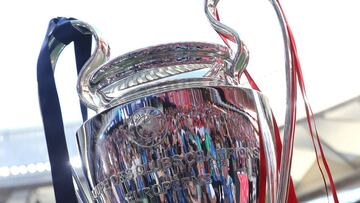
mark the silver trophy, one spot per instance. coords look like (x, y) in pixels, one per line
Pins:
(173, 124)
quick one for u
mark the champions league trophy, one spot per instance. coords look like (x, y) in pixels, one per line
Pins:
(173, 124)
(173, 127)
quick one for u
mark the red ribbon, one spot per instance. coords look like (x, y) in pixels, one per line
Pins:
(292, 195)
(296, 75)
(310, 115)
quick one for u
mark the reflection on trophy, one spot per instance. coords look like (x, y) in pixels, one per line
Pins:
(200, 146)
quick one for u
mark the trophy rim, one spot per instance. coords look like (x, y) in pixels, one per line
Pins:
(151, 64)
(208, 83)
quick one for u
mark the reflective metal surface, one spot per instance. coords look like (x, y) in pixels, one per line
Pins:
(100, 55)
(173, 125)
(239, 54)
(288, 140)
(150, 66)
(101, 84)
(186, 145)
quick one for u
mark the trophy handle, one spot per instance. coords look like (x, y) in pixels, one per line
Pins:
(100, 55)
(240, 55)
(290, 113)
(240, 58)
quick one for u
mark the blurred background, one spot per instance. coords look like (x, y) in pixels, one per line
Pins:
(327, 34)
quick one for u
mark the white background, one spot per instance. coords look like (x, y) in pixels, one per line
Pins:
(327, 33)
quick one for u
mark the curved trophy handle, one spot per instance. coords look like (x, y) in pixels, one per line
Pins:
(240, 60)
(71, 30)
(240, 55)
(288, 140)
(100, 55)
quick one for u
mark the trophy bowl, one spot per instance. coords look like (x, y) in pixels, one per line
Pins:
(166, 132)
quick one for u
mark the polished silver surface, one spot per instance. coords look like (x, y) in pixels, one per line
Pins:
(101, 84)
(100, 55)
(102, 87)
(288, 141)
(186, 145)
(239, 54)
(173, 125)
(152, 66)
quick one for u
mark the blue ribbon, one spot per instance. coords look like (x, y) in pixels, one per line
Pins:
(62, 30)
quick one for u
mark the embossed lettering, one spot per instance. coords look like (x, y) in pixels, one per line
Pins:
(165, 163)
(147, 191)
(156, 189)
(166, 185)
(140, 170)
